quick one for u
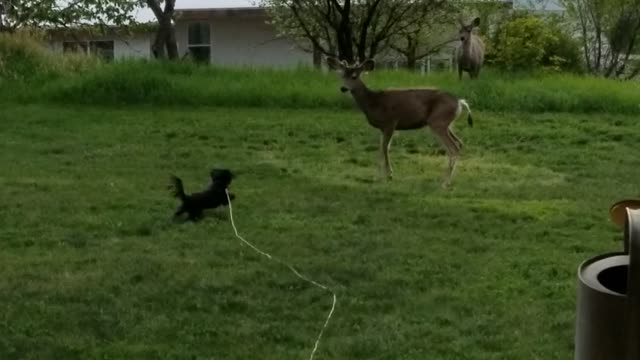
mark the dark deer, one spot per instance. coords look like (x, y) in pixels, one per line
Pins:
(404, 109)
(471, 50)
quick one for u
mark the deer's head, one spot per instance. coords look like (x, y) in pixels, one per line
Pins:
(350, 73)
(466, 29)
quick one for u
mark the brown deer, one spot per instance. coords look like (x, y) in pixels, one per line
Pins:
(470, 51)
(404, 109)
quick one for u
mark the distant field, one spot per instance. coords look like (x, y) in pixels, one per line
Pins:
(92, 267)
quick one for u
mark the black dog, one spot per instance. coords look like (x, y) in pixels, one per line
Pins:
(214, 196)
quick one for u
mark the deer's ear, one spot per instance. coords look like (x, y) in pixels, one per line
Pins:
(334, 63)
(476, 22)
(368, 65)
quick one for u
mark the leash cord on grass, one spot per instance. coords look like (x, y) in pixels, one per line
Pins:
(293, 270)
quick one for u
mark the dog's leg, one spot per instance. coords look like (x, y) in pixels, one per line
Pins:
(195, 215)
(179, 211)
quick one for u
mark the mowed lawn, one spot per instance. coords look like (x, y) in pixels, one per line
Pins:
(93, 267)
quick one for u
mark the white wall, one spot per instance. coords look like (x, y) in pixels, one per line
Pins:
(245, 41)
(138, 46)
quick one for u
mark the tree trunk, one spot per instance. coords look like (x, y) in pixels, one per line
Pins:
(411, 53)
(317, 57)
(411, 61)
(165, 41)
(159, 43)
(171, 43)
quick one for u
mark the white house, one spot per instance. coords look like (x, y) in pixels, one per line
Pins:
(231, 36)
(227, 36)
(113, 44)
(235, 36)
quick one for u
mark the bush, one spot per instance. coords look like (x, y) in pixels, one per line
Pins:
(563, 53)
(24, 58)
(529, 42)
(115, 85)
(520, 42)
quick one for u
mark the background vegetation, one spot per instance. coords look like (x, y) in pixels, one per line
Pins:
(83, 80)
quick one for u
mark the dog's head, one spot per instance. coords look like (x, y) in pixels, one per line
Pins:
(221, 177)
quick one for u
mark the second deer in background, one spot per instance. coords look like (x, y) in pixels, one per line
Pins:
(471, 50)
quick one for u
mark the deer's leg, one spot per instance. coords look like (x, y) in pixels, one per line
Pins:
(442, 133)
(385, 144)
(455, 138)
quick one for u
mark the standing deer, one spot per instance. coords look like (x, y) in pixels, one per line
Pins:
(404, 109)
(471, 50)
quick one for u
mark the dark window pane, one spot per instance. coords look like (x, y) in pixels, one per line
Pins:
(103, 49)
(73, 46)
(200, 53)
(199, 34)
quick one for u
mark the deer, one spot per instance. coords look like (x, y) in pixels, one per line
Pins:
(403, 109)
(470, 51)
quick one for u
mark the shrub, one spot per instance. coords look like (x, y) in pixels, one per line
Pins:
(563, 52)
(115, 84)
(24, 58)
(530, 42)
(520, 42)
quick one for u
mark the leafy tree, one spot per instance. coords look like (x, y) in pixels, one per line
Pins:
(16, 14)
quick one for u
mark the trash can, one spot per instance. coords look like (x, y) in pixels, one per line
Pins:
(608, 300)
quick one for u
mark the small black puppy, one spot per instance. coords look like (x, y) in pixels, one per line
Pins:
(210, 198)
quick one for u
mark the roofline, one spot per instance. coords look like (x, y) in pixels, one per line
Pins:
(253, 7)
(241, 8)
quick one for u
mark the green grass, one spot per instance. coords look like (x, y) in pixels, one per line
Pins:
(187, 84)
(29, 74)
(93, 268)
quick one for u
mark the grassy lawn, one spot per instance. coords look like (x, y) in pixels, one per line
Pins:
(93, 268)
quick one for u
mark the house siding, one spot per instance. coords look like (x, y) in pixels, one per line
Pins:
(134, 46)
(245, 42)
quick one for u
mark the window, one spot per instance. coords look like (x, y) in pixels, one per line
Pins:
(199, 41)
(102, 49)
(74, 46)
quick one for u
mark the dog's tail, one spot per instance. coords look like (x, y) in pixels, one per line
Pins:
(463, 103)
(176, 187)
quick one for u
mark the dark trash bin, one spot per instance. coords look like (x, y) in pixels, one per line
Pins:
(608, 300)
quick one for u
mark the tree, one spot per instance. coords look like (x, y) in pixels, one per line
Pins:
(609, 32)
(420, 39)
(166, 34)
(349, 29)
(16, 14)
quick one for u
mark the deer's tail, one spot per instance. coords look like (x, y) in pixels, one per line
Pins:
(463, 103)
